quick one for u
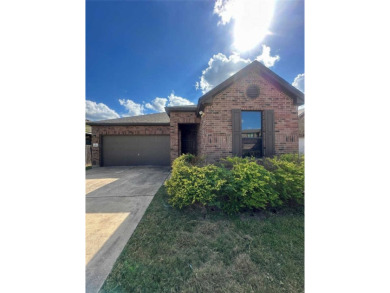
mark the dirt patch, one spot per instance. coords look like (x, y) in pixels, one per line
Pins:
(207, 228)
(211, 278)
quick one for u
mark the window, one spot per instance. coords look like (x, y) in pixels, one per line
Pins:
(253, 91)
(251, 133)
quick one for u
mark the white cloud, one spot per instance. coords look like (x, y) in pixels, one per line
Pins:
(133, 108)
(99, 111)
(221, 67)
(158, 104)
(266, 57)
(252, 19)
(224, 10)
(177, 101)
(299, 82)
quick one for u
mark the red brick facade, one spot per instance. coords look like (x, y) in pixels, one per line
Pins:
(99, 131)
(215, 132)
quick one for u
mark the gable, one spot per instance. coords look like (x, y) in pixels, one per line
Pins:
(255, 67)
(235, 96)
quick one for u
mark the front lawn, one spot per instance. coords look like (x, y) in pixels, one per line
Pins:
(200, 250)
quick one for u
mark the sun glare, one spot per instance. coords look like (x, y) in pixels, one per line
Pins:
(252, 19)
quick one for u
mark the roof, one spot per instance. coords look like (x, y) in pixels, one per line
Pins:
(301, 112)
(182, 108)
(251, 130)
(291, 91)
(148, 119)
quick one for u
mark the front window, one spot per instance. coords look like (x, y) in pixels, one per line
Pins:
(251, 134)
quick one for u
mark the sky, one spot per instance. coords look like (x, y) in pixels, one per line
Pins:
(144, 55)
(250, 120)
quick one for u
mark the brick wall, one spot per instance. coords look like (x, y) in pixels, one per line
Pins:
(175, 136)
(215, 132)
(99, 131)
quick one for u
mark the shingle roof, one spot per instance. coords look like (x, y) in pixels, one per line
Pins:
(301, 111)
(148, 119)
(251, 130)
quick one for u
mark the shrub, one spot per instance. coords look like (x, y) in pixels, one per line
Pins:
(293, 158)
(230, 162)
(193, 184)
(249, 186)
(289, 174)
(235, 183)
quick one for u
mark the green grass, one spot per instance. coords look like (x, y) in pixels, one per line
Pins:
(199, 250)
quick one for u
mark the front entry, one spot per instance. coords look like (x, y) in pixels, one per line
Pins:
(188, 140)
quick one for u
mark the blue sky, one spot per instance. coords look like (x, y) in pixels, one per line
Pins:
(251, 120)
(144, 55)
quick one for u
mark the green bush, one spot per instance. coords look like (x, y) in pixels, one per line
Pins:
(235, 183)
(193, 184)
(293, 158)
(289, 172)
(249, 186)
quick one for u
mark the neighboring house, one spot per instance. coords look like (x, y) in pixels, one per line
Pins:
(88, 133)
(301, 127)
(88, 142)
(254, 101)
(251, 133)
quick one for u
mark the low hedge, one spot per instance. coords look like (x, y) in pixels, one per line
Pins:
(190, 184)
(289, 172)
(248, 185)
(235, 184)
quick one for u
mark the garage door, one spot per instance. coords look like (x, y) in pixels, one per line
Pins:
(136, 150)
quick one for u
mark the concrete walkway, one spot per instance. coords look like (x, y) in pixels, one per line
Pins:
(116, 200)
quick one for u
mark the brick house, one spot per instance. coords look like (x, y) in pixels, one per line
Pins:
(253, 101)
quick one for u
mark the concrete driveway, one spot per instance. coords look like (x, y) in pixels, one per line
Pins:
(116, 199)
